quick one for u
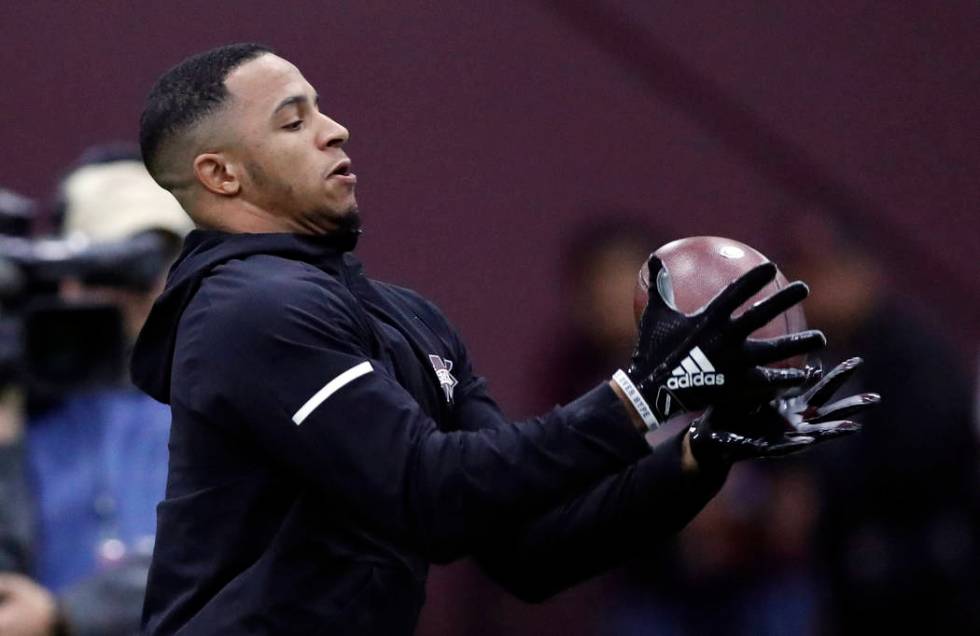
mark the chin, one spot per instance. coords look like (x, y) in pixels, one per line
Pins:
(349, 219)
(327, 219)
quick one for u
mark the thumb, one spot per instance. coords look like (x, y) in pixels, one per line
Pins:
(660, 289)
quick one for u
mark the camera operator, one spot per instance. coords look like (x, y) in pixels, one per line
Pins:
(93, 448)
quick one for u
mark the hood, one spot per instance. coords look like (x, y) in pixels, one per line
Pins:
(204, 250)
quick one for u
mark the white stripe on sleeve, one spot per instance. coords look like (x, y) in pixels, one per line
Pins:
(330, 388)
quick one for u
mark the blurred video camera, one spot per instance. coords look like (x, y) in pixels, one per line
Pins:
(51, 346)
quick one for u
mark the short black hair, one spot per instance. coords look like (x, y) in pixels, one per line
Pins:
(187, 92)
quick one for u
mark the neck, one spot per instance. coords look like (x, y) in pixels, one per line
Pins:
(242, 217)
(250, 220)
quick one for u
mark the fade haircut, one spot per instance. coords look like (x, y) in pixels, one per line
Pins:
(187, 93)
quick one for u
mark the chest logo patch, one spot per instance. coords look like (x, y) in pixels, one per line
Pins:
(446, 379)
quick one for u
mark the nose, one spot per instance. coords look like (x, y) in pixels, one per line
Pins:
(332, 135)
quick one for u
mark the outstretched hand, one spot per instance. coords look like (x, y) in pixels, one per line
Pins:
(689, 362)
(788, 424)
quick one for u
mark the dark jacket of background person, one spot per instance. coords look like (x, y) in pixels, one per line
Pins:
(283, 524)
(896, 541)
(899, 533)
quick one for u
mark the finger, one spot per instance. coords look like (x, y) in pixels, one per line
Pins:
(660, 289)
(829, 429)
(775, 349)
(741, 290)
(787, 445)
(814, 369)
(736, 446)
(783, 378)
(762, 312)
(764, 384)
(841, 429)
(825, 389)
(842, 408)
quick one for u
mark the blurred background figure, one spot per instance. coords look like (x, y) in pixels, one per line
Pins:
(599, 266)
(93, 449)
(898, 535)
(743, 567)
(756, 575)
(880, 531)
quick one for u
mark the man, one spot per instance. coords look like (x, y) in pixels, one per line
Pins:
(330, 437)
(95, 454)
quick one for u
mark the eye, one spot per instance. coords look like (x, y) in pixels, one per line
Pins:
(295, 125)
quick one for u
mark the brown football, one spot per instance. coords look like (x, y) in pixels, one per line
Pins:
(701, 266)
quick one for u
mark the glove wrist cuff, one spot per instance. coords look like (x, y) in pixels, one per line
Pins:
(636, 399)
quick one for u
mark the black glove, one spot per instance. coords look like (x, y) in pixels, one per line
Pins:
(686, 363)
(785, 425)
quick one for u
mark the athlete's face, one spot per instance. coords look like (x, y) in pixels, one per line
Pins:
(294, 165)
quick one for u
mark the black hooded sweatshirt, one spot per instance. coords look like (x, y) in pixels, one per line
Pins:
(330, 439)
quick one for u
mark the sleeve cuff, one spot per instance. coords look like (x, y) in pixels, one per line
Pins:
(601, 414)
(676, 490)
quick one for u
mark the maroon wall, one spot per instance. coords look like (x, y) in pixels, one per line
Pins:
(483, 135)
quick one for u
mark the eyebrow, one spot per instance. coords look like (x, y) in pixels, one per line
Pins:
(294, 99)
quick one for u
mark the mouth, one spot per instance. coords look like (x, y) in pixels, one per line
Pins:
(341, 169)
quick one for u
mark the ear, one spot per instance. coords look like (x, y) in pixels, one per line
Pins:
(217, 174)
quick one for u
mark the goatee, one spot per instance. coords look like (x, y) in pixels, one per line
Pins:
(350, 223)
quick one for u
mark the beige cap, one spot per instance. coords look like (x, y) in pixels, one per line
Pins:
(113, 201)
